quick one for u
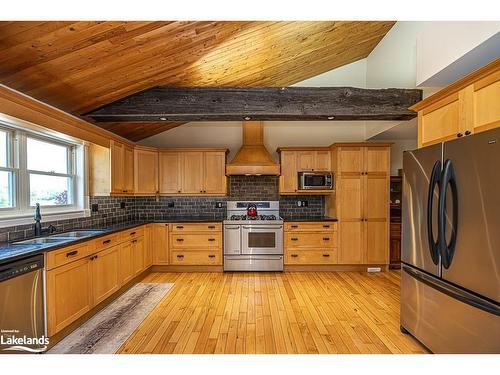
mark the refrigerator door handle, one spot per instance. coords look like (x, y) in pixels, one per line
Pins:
(434, 245)
(448, 178)
(453, 292)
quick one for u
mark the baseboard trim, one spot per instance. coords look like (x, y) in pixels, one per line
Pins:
(175, 268)
(333, 267)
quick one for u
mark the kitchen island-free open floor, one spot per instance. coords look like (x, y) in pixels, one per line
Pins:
(291, 312)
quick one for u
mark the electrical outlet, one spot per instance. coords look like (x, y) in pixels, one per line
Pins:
(170, 204)
(95, 207)
(302, 203)
(218, 204)
(122, 205)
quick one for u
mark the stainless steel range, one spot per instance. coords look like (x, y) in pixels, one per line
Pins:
(253, 242)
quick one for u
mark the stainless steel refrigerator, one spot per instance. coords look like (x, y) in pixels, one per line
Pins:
(450, 277)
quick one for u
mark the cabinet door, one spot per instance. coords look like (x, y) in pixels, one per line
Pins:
(350, 159)
(215, 173)
(377, 160)
(485, 103)
(117, 167)
(128, 170)
(377, 242)
(351, 242)
(305, 161)
(440, 121)
(145, 172)
(169, 169)
(322, 161)
(148, 248)
(126, 262)
(192, 173)
(350, 196)
(376, 197)
(159, 243)
(69, 294)
(288, 178)
(138, 255)
(105, 273)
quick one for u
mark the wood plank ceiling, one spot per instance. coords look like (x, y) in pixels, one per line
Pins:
(80, 66)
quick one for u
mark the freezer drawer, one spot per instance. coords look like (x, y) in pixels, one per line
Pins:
(253, 263)
(445, 324)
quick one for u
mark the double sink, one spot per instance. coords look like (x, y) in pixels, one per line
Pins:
(60, 237)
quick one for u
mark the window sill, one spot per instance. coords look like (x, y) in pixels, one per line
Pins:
(27, 218)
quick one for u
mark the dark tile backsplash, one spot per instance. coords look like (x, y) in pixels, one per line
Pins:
(159, 208)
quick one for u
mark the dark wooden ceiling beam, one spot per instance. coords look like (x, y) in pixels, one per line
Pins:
(261, 103)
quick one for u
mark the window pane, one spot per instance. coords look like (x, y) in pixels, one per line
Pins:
(47, 157)
(3, 148)
(50, 190)
(6, 189)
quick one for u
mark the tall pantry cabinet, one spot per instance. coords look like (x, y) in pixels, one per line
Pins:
(361, 201)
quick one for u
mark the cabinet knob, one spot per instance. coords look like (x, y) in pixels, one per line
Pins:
(326, 226)
(294, 239)
(211, 256)
(294, 255)
(467, 132)
(460, 135)
(326, 238)
(178, 191)
(326, 255)
(294, 226)
(180, 239)
(180, 256)
(211, 239)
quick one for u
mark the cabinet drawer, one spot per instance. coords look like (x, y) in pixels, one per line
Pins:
(188, 241)
(68, 254)
(311, 226)
(107, 241)
(310, 240)
(327, 256)
(194, 258)
(132, 233)
(196, 227)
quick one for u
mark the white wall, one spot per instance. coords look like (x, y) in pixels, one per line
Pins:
(397, 148)
(353, 74)
(439, 44)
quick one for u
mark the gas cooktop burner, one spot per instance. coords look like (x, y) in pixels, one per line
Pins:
(258, 217)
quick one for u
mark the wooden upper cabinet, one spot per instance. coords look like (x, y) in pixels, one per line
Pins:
(117, 167)
(305, 161)
(322, 161)
(350, 159)
(377, 160)
(214, 173)
(128, 167)
(465, 107)
(169, 172)
(288, 177)
(145, 171)
(192, 173)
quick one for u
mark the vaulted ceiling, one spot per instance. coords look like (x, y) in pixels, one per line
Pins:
(80, 66)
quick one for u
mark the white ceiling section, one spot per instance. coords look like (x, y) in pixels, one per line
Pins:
(393, 63)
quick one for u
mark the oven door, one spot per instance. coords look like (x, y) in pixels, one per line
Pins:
(262, 239)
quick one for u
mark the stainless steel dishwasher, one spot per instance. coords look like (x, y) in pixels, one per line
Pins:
(22, 305)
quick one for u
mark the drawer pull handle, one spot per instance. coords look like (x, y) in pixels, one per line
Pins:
(179, 227)
(326, 226)
(72, 253)
(211, 256)
(134, 241)
(105, 242)
(294, 239)
(294, 255)
(132, 233)
(326, 255)
(294, 226)
(211, 239)
(180, 239)
(211, 227)
(180, 256)
(326, 238)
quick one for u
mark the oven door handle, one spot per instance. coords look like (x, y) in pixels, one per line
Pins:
(263, 227)
(232, 227)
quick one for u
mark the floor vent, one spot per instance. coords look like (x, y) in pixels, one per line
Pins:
(374, 269)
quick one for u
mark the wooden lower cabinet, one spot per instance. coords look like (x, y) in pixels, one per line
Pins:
(127, 272)
(310, 243)
(196, 258)
(69, 294)
(159, 243)
(138, 255)
(105, 273)
(351, 237)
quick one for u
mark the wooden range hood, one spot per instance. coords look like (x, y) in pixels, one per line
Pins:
(253, 158)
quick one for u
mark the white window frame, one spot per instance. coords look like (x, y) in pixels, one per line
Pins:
(10, 167)
(22, 212)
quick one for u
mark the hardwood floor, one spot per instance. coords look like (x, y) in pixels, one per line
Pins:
(292, 312)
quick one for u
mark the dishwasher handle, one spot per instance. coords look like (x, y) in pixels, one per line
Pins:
(20, 267)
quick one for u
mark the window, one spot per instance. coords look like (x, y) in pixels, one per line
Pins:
(38, 169)
(50, 167)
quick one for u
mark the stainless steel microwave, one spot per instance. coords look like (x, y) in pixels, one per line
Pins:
(315, 180)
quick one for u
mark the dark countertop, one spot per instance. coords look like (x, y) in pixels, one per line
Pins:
(10, 252)
(310, 218)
